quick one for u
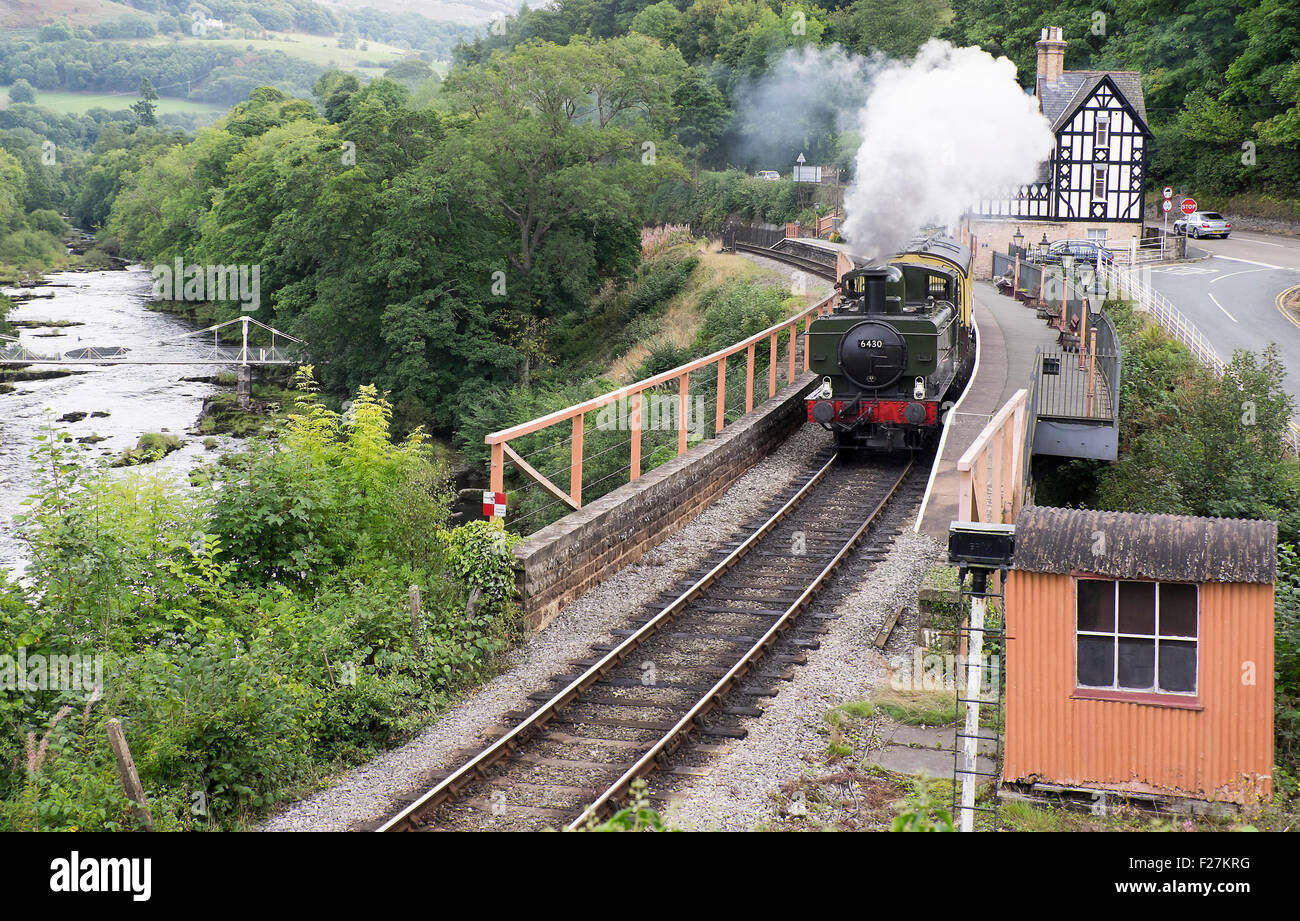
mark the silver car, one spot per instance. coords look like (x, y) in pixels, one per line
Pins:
(1203, 224)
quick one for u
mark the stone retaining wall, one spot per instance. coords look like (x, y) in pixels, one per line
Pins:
(566, 558)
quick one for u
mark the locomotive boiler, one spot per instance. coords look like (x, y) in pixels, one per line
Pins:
(896, 350)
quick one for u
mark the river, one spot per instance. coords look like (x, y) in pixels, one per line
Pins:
(110, 308)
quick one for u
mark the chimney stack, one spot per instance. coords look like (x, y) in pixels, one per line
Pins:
(1051, 56)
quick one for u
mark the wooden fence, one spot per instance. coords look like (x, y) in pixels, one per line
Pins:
(991, 474)
(633, 393)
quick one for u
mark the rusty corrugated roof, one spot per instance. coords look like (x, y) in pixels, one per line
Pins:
(1124, 545)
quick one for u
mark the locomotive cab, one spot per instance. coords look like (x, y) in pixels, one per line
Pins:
(893, 348)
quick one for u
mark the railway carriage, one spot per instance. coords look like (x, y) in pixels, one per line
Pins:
(896, 347)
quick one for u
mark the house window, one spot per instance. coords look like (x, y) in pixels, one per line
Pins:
(1102, 135)
(1097, 235)
(1099, 182)
(1136, 636)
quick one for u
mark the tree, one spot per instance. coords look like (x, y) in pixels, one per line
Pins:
(896, 27)
(147, 105)
(552, 137)
(660, 20)
(22, 91)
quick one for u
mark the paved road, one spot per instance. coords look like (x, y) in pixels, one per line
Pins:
(1234, 296)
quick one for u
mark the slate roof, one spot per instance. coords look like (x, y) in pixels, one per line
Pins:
(1123, 545)
(1059, 100)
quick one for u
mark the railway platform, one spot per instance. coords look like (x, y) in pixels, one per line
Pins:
(1011, 336)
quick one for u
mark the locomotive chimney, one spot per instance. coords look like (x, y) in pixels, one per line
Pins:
(1051, 58)
(873, 290)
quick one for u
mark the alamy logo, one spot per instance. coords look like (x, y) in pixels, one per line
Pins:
(193, 282)
(103, 874)
(50, 673)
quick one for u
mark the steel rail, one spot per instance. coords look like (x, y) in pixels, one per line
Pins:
(647, 762)
(473, 769)
(816, 268)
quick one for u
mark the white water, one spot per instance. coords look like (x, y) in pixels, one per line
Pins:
(139, 398)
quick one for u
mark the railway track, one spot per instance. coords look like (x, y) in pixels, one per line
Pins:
(812, 266)
(624, 712)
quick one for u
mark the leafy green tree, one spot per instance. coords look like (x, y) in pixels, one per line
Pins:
(660, 20)
(145, 108)
(22, 91)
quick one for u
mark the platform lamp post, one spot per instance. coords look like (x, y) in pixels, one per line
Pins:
(1018, 241)
(981, 549)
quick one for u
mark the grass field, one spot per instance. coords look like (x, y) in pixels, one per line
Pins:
(315, 49)
(81, 103)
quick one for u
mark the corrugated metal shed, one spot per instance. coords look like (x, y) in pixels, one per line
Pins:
(1124, 545)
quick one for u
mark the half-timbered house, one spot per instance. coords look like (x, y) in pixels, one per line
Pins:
(1091, 188)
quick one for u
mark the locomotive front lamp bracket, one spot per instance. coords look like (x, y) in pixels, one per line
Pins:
(980, 548)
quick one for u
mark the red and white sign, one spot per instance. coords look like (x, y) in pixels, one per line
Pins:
(1167, 205)
(1189, 205)
(494, 504)
(1169, 193)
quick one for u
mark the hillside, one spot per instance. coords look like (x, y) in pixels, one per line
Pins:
(470, 12)
(28, 14)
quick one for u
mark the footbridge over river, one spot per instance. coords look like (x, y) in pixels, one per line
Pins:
(282, 349)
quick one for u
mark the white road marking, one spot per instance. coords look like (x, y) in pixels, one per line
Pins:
(1267, 265)
(1221, 307)
(1234, 274)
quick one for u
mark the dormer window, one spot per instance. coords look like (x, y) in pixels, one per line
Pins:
(1102, 137)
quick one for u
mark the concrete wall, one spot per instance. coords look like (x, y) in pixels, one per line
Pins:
(566, 558)
(995, 235)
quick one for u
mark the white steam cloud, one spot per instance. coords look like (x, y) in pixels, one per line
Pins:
(938, 133)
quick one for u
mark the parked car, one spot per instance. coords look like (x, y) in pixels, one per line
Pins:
(1203, 224)
(1081, 250)
(770, 175)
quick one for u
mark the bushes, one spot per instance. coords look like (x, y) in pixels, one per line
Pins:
(716, 197)
(239, 677)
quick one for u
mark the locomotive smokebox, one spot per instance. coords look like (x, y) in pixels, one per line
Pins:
(873, 289)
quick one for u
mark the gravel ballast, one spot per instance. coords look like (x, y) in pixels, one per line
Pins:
(738, 793)
(374, 790)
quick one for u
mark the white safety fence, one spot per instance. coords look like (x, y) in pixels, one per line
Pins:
(1118, 280)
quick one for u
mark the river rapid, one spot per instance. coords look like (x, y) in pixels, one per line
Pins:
(110, 308)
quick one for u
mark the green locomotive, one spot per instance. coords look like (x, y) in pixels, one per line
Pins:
(897, 345)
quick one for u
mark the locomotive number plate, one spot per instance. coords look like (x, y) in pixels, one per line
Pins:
(871, 343)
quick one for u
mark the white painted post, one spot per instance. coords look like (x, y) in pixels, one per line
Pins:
(970, 744)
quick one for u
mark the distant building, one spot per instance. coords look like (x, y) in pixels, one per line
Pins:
(1093, 185)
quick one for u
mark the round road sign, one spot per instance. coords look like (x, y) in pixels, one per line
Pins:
(1189, 205)
(1167, 205)
(1169, 193)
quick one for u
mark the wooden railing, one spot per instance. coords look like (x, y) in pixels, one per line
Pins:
(574, 415)
(991, 476)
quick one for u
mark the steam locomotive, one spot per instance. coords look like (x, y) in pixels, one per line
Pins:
(899, 343)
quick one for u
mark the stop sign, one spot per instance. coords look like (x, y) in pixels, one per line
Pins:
(1189, 205)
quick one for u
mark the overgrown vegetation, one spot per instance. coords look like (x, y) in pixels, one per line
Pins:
(1194, 443)
(251, 636)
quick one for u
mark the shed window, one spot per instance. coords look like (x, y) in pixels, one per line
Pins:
(1136, 636)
